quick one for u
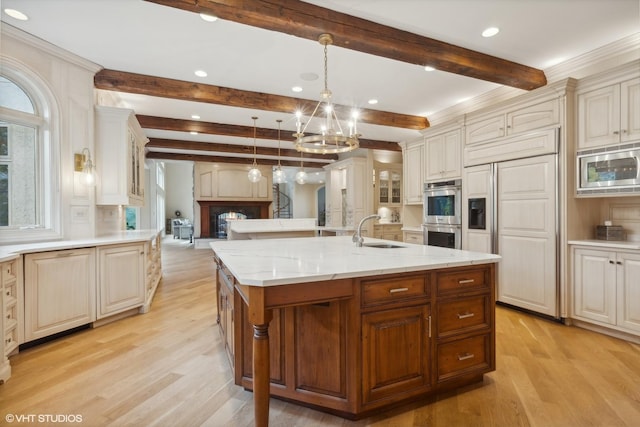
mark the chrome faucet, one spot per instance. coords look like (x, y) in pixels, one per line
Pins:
(357, 237)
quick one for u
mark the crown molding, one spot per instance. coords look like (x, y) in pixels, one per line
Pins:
(7, 30)
(596, 61)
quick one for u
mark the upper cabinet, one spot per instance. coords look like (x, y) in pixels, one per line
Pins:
(513, 121)
(388, 185)
(443, 155)
(413, 167)
(120, 145)
(609, 115)
(223, 181)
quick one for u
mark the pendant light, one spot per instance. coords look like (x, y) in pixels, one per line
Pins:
(332, 138)
(301, 176)
(254, 173)
(279, 177)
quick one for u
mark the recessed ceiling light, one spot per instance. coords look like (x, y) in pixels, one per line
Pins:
(296, 89)
(16, 14)
(201, 73)
(208, 18)
(195, 117)
(372, 101)
(429, 68)
(490, 32)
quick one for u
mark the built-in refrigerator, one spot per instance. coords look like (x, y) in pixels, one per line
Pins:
(511, 209)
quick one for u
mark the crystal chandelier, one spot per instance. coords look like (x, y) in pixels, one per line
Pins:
(254, 173)
(279, 177)
(331, 139)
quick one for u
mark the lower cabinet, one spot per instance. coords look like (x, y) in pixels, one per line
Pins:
(388, 232)
(395, 352)
(415, 237)
(396, 338)
(606, 289)
(10, 306)
(121, 278)
(59, 291)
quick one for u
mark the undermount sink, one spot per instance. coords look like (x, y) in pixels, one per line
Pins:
(382, 245)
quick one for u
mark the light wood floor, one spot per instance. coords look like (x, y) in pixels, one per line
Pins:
(168, 368)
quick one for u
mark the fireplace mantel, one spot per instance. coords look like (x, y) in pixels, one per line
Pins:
(221, 206)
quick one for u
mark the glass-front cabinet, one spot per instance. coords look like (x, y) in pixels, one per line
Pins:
(389, 185)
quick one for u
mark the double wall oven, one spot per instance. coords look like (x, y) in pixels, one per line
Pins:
(442, 214)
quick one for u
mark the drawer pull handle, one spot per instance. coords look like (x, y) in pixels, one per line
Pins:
(465, 356)
(465, 281)
(393, 291)
(465, 316)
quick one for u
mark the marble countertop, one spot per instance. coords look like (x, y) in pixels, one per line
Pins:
(10, 252)
(614, 244)
(309, 259)
(272, 225)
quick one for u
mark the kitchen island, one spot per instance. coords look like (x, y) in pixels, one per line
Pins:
(353, 330)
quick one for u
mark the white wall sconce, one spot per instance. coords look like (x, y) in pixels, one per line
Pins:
(83, 163)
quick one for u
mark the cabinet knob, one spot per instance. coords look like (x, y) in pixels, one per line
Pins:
(615, 132)
(619, 262)
(611, 261)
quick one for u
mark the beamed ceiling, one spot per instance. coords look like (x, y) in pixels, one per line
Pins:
(258, 49)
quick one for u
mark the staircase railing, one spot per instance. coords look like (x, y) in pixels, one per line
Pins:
(281, 203)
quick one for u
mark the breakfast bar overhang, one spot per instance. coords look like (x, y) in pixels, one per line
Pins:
(353, 330)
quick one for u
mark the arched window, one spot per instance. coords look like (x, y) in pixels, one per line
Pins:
(28, 168)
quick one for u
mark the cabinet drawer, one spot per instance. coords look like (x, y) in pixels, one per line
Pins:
(463, 314)
(415, 238)
(463, 281)
(10, 292)
(464, 356)
(394, 289)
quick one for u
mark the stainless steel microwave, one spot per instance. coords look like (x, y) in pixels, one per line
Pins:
(616, 171)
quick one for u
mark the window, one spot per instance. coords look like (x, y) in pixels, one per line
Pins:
(27, 170)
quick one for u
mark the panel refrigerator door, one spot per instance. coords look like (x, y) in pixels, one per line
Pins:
(477, 185)
(527, 228)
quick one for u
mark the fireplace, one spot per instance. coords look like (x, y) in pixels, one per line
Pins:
(213, 215)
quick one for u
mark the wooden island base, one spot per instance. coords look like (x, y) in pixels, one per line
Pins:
(354, 347)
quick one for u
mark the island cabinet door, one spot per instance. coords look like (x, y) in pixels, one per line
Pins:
(396, 352)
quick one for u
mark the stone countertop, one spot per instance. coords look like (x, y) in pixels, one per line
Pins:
(272, 225)
(612, 244)
(10, 252)
(309, 259)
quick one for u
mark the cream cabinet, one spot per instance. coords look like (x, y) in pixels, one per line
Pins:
(348, 192)
(388, 232)
(609, 115)
(10, 309)
(222, 181)
(516, 120)
(443, 154)
(121, 278)
(59, 291)
(415, 237)
(153, 269)
(606, 288)
(119, 157)
(388, 185)
(413, 171)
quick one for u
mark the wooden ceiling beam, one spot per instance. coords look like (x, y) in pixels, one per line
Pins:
(174, 144)
(308, 21)
(189, 91)
(223, 159)
(180, 125)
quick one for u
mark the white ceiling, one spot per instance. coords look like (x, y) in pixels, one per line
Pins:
(146, 38)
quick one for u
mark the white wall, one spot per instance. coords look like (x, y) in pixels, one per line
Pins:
(303, 197)
(178, 186)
